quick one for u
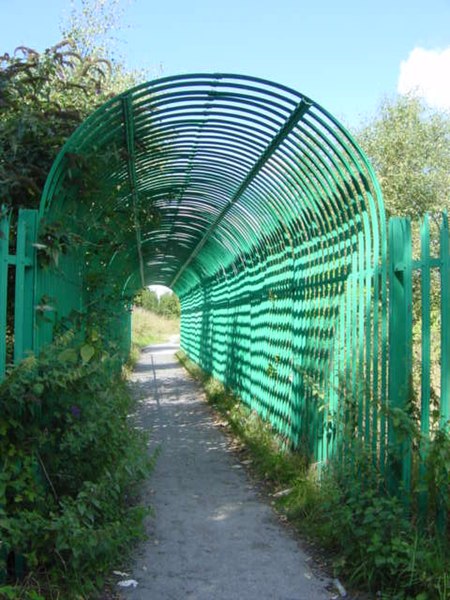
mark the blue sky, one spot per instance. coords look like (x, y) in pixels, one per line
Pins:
(344, 54)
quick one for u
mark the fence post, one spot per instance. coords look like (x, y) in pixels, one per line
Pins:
(400, 352)
(445, 323)
(444, 406)
(25, 273)
(426, 362)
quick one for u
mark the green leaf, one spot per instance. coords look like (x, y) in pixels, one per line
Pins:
(38, 389)
(94, 335)
(87, 352)
(68, 355)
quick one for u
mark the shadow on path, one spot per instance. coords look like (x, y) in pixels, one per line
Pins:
(212, 537)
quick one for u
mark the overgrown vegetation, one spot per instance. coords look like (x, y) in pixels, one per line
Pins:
(71, 461)
(167, 305)
(409, 146)
(150, 328)
(45, 96)
(371, 539)
(71, 456)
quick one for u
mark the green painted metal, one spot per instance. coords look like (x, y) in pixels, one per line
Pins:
(426, 324)
(257, 207)
(401, 371)
(445, 324)
(400, 349)
(24, 292)
(425, 266)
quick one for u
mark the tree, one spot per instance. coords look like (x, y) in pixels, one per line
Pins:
(45, 96)
(169, 306)
(409, 147)
(148, 300)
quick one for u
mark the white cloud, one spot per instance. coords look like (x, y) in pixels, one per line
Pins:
(427, 73)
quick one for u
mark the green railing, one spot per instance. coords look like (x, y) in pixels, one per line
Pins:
(257, 207)
(23, 261)
(419, 353)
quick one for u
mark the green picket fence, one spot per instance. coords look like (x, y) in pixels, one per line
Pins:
(21, 258)
(315, 414)
(419, 355)
(261, 212)
(17, 252)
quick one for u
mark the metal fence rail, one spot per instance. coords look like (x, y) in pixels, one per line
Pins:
(419, 349)
(257, 207)
(23, 261)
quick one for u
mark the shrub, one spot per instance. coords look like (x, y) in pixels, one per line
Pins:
(71, 460)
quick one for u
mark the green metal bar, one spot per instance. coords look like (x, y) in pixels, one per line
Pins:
(425, 357)
(20, 291)
(432, 262)
(4, 249)
(445, 324)
(131, 151)
(4, 262)
(291, 122)
(384, 366)
(426, 325)
(369, 306)
(361, 384)
(24, 286)
(376, 424)
(444, 406)
(354, 391)
(400, 351)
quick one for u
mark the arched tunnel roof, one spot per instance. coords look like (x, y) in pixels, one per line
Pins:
(209, 170)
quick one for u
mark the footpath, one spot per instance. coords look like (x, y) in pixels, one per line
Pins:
(213, 536)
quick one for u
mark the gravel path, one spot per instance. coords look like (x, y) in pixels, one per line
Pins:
(213, 537)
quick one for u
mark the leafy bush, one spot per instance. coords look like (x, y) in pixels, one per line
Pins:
(71, 460)
(167, 305)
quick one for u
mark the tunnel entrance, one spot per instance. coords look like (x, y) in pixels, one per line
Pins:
(259, 210)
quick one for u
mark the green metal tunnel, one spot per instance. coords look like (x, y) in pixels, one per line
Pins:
(260, 211)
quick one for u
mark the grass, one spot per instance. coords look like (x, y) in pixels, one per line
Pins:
(150, 328)
(362, 535)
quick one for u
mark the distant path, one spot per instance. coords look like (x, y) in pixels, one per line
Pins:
(212, 537)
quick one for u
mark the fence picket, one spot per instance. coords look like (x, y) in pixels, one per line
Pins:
(400, 349)
(425, 266)
(445, 323)
(24, 293)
